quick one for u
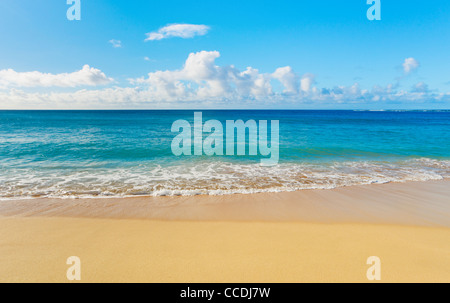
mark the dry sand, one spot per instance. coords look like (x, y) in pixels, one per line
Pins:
(305, 236)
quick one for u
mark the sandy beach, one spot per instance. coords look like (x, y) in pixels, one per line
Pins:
(303, 236)
(224, 142)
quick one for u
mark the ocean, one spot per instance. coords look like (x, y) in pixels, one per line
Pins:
(70, 154)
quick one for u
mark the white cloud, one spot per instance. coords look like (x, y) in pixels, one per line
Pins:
(201, 83)
(87, 76)
(200, 78)
(307, 82)
(138, 97)
(178, 30)
(288, 78)
(410, 65)
(115, 43)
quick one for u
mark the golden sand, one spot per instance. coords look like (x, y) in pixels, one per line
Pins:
(307, 236)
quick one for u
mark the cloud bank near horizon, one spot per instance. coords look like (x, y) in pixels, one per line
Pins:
(87, 76)
(201, 83)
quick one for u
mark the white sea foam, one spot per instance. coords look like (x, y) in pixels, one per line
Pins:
(211, 178)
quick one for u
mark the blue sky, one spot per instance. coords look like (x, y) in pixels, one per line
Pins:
(332, 55)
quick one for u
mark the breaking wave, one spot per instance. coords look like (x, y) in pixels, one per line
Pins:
(210, 178)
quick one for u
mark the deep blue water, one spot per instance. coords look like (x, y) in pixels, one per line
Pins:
(116, 153)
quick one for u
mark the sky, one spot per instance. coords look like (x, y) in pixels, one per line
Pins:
(224, 54)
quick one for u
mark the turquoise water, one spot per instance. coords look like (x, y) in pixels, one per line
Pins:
(127, 153)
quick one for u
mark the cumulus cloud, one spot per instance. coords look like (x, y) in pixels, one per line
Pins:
(288, 78)
(202, 83)
(178, 30)
(87, 76)
(307, 82)
(410, 65)
(115, 43)
(201, 78)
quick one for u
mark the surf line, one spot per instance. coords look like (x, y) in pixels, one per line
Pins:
(236, 139)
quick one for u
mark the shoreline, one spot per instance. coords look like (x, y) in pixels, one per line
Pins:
(112, 197)
(306, 236)
(410, 203)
